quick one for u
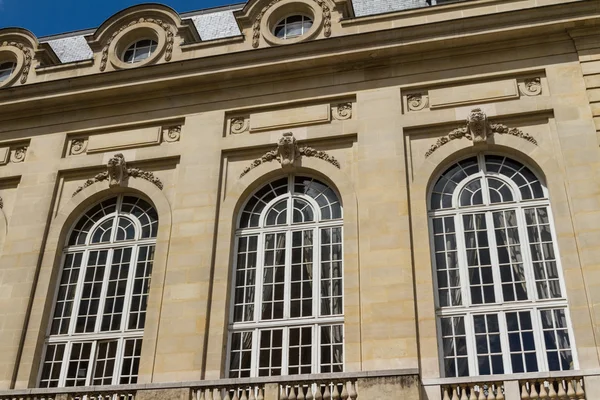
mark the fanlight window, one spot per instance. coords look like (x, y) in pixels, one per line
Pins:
(96, 329)
(139, 51)
(501, 302)
(293, 26)
(6, 70)
(287, 305)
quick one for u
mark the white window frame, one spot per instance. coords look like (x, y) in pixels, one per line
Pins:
(121, 335)
(283, 23)
(500, 307)
(134, 46)
(316, 321)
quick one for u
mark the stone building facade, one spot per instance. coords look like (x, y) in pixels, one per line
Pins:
(304, 199)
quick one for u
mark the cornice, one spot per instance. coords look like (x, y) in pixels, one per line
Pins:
(376, 47)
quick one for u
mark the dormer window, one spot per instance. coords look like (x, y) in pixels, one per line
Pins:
(293, 26)
(139, 51)
(6, 70)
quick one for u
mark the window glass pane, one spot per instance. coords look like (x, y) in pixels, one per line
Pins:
(471, 194)
(141, 288)
(556, 339)
(303, 211)
(273, 276)
(300, 350)
(331, 272)
(131, 361)
(277, 215)
(79, 363)
(487, 343)
(115, 293)
(521, 342)
(66, 294)
(92, 290)
(52, 365)
(447, 183)
(542, 253)
(240, 355)
(302, 274)
(270, 353)
(510, 259)
(481, 281)
(80, 231)
(106, 353)
(500, 192)
(332, 348)
(449, 292)
(454, 346)
(125, 229)
(103, 232)
(245, 279)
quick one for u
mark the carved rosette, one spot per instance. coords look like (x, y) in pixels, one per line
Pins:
(27, 58)
(78, 146)
(342, 111)
(171, 134)
(239, 125)
(531, 87)
(288, 152)
(478, 129)
(117, 174)
(18, 154)
(417, 101)
(166, 27)
(256, 25)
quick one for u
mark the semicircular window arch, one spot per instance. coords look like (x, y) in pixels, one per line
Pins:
(500, 295)
(96, 327)
(287, 290)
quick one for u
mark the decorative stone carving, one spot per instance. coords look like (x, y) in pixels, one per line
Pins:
(27, 58)
(288, 152)
(531, 87)
(478, 126)
(478, 129)
(1, 203)
(17, 154)
(239, 125)
(168, 32)
(342, 111)
(417, 101)
(117, 174)
(171, 134)
(256, 25)
(78, 146)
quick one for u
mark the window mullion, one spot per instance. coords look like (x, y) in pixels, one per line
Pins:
(287, 285)
(119, 356)
(494, 259)
(538, 337)
(78, 292)
(461, 256)
(129, 288)
(104, 290)
(260, 267)
(526, 254)
(255, 353)
(316, 346)
(506, 360)
(65, 364)
(316, 286)
(91, 363)
(471, 345)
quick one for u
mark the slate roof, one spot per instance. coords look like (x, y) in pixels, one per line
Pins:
(216, 23)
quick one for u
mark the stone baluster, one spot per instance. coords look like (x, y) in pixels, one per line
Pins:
(327, 394)
(570, 391)
(499, 391)
(217, 394)
(235, 394)
(579, 389)
(491, 395)
(551, 390)
(300, 392)
(335, 395)
(243, 396)
(260, 396)
(227, 397)
(292, 394)
(198, 394)
(463, 392)
(352, 392)
(481, 393)
(318, 394)
(454, 393)
(472, 395)
(251, 392)
(208, 394)
(524, 391)
(309, 392)
(344, 395)
(543, 393)
(283, 394)
(533, 394)
(446, 396)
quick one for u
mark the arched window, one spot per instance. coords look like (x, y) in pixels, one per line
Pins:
(287, 297)
(95, 333)
(501, 301)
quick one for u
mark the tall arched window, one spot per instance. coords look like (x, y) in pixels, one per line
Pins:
(287, 297)
(501, 301)
(95, 333)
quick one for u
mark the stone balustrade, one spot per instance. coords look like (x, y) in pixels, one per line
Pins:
(565, 385)
(371, 385)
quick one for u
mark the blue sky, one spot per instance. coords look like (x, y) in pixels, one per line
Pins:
(49, 17)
